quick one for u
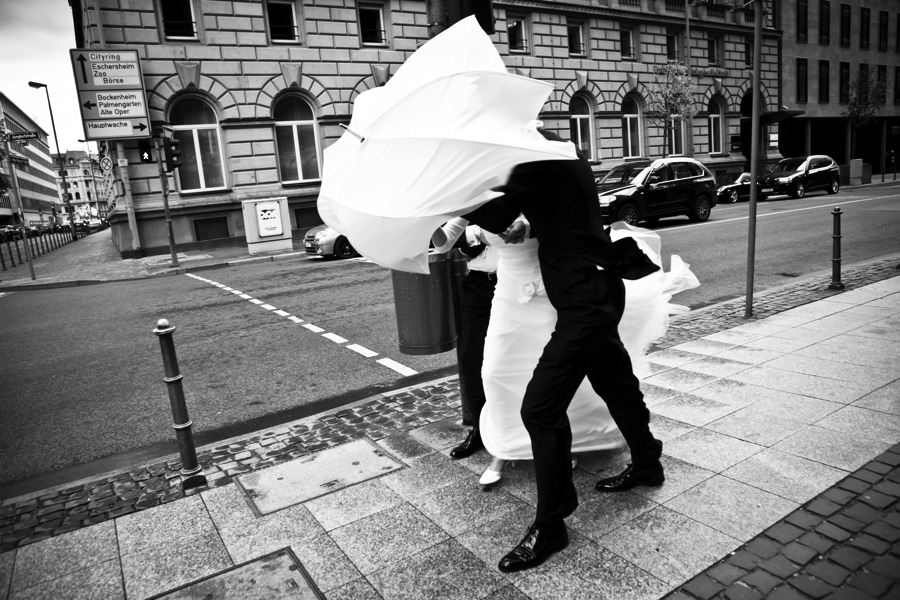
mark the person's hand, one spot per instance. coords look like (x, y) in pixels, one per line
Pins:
(515, 233)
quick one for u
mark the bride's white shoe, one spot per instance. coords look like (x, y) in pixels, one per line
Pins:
(493, 473)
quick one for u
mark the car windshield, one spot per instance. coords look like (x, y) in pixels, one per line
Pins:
(625, 174)
(788, 165)
(735, 178)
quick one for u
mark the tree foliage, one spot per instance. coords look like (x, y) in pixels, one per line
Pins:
(866, 97)
(670, 97)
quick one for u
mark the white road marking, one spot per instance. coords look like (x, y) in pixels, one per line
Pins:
(362, 350)
(386, 362)
(392, 364)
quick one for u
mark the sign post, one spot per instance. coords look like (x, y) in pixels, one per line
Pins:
(111, 94)
(14, 194)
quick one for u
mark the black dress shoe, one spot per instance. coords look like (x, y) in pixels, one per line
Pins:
(536, 547)
(470, 445)
(630, 478)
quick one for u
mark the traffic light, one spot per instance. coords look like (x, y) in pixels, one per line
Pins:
(172, 153)
(145, 150)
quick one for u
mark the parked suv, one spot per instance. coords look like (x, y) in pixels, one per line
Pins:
(646, 190)
(796, 176)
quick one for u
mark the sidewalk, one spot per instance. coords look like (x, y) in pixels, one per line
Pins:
(781, 456)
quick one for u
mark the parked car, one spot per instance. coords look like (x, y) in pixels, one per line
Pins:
(323, 240)
(647, 190)
(799, 175)
(735, 187)
(10, 233)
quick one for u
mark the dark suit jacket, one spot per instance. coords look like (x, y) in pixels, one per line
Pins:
(559, 199)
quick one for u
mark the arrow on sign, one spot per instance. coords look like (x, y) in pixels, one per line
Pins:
(81, 59)
(140, 126)
(89, 105)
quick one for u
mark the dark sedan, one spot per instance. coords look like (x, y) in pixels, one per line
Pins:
(736, 187)
(799, 175)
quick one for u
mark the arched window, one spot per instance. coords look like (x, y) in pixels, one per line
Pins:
(716, 127)
(632, 129)
(78, 195)
(581, 125)
(297, 139)
(197, 128)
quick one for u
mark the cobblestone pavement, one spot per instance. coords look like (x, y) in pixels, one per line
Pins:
(33, 517)
(843, 544)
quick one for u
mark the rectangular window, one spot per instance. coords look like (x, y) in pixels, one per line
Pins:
(823, 81)
(882, 31)
(178, 19)
(282, 19)
(715, 133)
(845, 83)
(371, 25)
(673, 45)
(713, 50)
(802, 20)
(576, 39)
(882, 83)
(824, 22)
(517, 35)
(626, 44)
(896, 85)
(748, 51)
(864, 26)
(845, 25)
(676, 136)
(802, 89)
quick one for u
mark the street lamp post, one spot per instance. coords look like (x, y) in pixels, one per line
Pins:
(62, 166)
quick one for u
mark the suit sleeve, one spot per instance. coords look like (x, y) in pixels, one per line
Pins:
(496, 215)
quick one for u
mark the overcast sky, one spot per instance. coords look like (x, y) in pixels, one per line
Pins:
(35, 39)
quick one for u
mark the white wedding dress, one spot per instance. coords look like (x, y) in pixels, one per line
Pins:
(522, 320)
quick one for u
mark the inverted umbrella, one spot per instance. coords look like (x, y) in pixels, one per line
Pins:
(429, 145)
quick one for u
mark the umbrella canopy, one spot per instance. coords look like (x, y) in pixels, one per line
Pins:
(430, 145)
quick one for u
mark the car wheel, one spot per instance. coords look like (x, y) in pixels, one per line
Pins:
(835, 186)
(732, 196)
(799, 190)
(628, 212)
(343, 248)
(701, 209)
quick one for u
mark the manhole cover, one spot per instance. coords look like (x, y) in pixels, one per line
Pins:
(315, 475)
(271, 577)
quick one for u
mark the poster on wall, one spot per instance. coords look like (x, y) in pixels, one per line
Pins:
(268, 219)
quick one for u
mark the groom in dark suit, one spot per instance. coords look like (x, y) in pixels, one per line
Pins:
(559, 199)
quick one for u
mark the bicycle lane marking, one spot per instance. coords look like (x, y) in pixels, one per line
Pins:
(361, 350)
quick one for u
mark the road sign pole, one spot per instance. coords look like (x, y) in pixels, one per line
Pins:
(17, 201)
(164, 182)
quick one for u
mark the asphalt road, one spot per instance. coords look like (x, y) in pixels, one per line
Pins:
(82, 371)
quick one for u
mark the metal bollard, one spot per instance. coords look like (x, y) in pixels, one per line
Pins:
(836, 252)
(19, 252)
(191, 472)
(2, 260)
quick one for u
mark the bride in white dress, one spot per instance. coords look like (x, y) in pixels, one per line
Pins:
(522, 320)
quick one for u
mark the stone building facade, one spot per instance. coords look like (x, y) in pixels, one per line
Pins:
(36, 180)
(255, 90)
(827, 43)
(84, 180)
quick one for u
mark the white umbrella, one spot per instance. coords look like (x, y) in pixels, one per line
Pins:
(429, 145)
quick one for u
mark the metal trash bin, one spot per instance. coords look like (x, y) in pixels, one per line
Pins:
(427, 305)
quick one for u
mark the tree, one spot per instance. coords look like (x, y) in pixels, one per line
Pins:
(670, 98)
(866, 97)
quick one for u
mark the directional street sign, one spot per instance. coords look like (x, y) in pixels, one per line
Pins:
(22, 135)
(111, 94)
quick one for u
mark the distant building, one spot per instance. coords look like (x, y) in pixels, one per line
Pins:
(36, 180)
(827, 44)
(84, 180)
(256, 90)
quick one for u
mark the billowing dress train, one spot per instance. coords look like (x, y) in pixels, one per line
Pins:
(522, 320)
